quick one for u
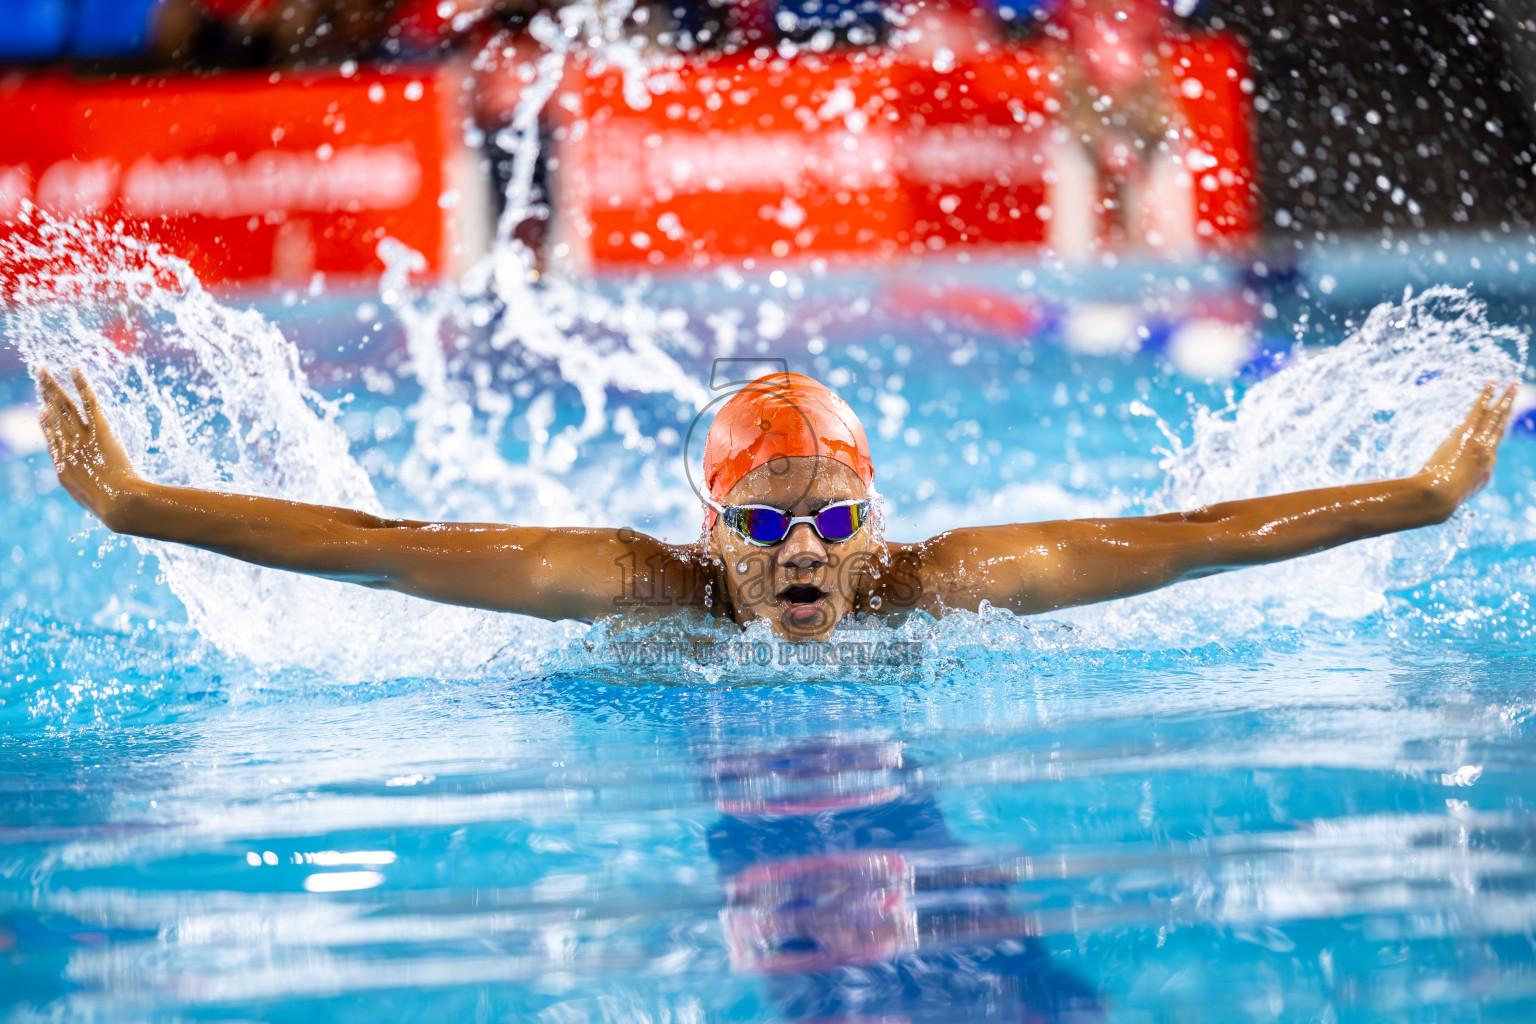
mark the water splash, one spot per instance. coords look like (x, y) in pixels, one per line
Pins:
(205, 395)
(1372, 408)
(208, 396)
(504, 327)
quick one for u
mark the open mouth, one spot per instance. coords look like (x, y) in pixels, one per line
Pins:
(802, 600)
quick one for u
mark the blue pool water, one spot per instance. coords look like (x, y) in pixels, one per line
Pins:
(1294, 793)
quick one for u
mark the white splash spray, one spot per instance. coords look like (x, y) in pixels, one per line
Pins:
(214, 397)
(208, 396)
(1372, 408)
(203, 395)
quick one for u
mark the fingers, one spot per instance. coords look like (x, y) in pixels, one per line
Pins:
(1472, 425)
(1478, 418)
(60, 435)
(52, 435)
(52, 391)
(57, 403)
(1488, 399)
(1490, 414)
(47, 386)
(1498, 419)
(87, 396)
(88, 400)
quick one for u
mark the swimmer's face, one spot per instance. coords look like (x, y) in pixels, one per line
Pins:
(804, 585)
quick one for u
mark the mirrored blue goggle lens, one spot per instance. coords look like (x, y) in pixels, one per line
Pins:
(839, 522)
(763, 526)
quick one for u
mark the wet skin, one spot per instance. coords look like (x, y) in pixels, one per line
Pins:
(804, 586)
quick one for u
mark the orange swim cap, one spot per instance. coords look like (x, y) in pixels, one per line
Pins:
(779, 415)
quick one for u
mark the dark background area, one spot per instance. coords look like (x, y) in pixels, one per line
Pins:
(1397, 117)
(1434, 96)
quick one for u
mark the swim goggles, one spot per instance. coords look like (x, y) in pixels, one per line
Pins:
(766, 526)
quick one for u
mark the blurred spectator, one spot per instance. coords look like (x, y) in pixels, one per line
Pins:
(422, 28)
(937, 33)
(1018, 17)
(244, 33)
(1122, 127)
(730, 25)
(214, 33)
(823, 22)
(695, 25)
(328, 31)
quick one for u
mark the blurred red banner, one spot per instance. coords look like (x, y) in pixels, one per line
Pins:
(877, 154)
(248, 175)
(273, 178)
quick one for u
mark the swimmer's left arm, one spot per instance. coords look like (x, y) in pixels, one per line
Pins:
(1038, 567)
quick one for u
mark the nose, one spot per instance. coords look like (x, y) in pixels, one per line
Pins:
(802, 549)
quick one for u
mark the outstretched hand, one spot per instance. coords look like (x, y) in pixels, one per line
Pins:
(1464, 461)
(91, 463)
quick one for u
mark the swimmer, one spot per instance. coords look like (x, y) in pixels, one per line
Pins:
(791, 532)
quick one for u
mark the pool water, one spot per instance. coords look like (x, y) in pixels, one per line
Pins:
(1293, 793)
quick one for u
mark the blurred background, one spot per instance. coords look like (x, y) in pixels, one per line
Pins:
(1403, 120)
(1280, 165)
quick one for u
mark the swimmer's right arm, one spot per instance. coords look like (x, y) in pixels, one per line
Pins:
(545, 572)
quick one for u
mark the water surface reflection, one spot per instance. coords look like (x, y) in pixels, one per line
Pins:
(846, 890)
